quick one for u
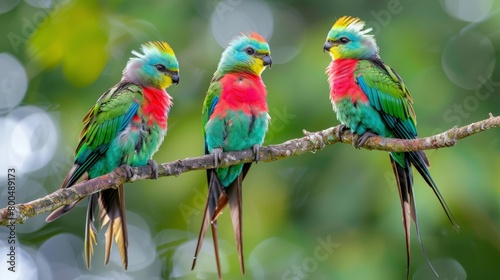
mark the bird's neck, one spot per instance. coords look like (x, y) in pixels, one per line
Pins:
(343, 82)
(130, 73)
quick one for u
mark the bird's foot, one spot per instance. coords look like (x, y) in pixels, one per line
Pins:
(217, 156)
(256, 152)
(358, 141)
(129, 170)
(341, 130)
(154, 166)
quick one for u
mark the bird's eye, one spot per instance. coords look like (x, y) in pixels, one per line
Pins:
(161, 68)
(344, 40)
(250, 51)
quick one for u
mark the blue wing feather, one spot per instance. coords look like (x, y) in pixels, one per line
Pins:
(86, 156)
(215, 100)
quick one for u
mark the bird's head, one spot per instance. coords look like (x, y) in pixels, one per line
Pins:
(348, 39)
(246, 53)
(155, 67)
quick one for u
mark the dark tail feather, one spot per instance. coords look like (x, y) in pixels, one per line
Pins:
(402, 182)
(245, 169)
(90, 230)
(204, 223)
(112, 211)
(216, 201)
(61, 211)
(420, 161)
(216, 248)
(68, 181)
(235, 205)
(404, 179)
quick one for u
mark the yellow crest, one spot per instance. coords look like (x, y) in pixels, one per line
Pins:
(154, 47)
(353, 24)
(160, 45)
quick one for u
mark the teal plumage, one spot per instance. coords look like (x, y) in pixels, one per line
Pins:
(125, 127)
(370, 98)
(235, 117)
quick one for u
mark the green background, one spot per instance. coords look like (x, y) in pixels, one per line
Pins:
(76, 50)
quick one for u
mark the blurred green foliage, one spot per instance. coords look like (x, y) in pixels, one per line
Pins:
(79, 48)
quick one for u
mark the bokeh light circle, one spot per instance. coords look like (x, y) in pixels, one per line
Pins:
(13, 81)
(467, 10)
(141, 246)
(32, 140)
(7, 5)
(464, 69)
(44, 4)
(69, 262)
(447, 269)
(62, 252)
(230, 18)
(26, 190)
(284, 47)
(273, 257)
(24, 265)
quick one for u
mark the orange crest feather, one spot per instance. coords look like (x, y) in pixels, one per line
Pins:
(257, 36)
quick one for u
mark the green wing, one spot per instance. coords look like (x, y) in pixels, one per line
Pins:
(388, 94)
(211, 99)
(109, 116)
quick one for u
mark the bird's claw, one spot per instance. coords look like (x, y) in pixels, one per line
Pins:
(359, 141)
(256, 152)
(154, 166)
(217, 156)
(341, 130)
(129, 170)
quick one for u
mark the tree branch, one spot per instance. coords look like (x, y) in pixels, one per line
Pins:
(311, 142)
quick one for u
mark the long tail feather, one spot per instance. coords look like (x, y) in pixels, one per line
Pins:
(68, 181)
(90, 230)
(246, 168)
(214, 199)
(216, 248)
(402, 182)
(204, 224)
(235, 205)
(218, 199)
(56, 214)
(112, 211)
(404, 179)
(419, 160)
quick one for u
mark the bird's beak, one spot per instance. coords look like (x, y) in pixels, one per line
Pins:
(267, 60)
(328, 45)
(175, 78)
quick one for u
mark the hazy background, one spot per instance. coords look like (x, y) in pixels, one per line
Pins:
(57, 57)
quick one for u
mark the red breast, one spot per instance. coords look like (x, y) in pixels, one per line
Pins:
(342, 81)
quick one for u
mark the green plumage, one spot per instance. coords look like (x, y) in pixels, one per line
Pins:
(244, 133)
(390, 98)
(234, 117)
(371, 99)
(104, 144)
(125, 127)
